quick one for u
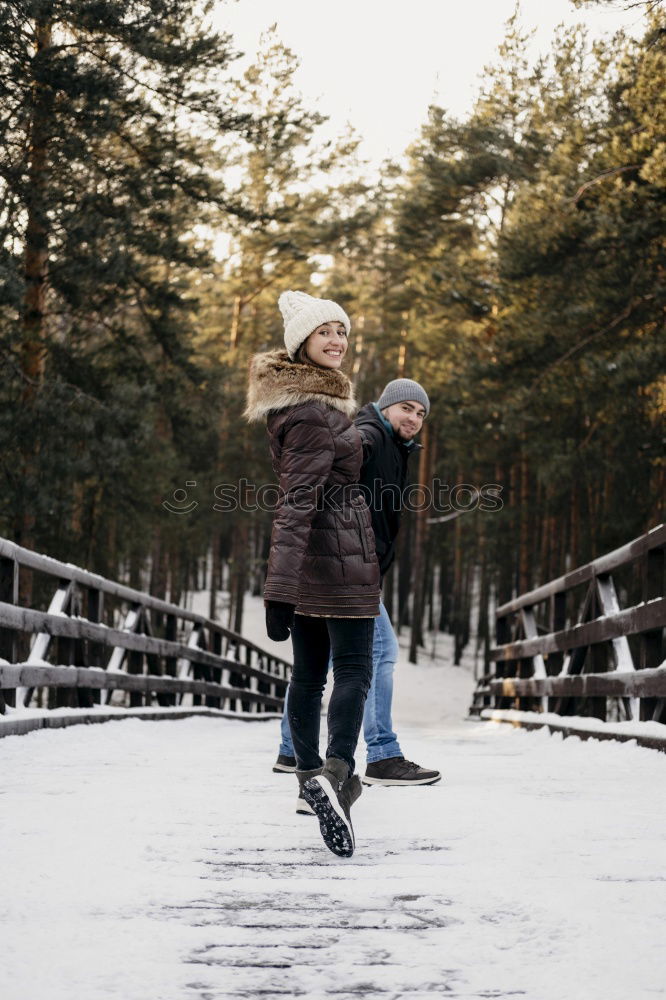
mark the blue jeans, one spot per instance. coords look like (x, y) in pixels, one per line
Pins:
(380, 739)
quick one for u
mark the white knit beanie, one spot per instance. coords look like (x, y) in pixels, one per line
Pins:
(302, 314)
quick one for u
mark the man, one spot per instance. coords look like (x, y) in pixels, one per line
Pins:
(387, 428)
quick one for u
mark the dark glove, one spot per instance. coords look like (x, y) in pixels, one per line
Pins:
(279, 620)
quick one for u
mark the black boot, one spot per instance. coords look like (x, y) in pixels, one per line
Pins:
(301, 804)
(331, 796)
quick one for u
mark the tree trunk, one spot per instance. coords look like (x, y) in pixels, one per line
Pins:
(175, 589)
(262, 554)
(214, 574)
(524, 553)
(135, 570)
(504, 543)
(235, 323)
(444, 589)
(404, 569)
(420, 542)
(238, 575)
(575, 529)
(32, 348)
(430, 587)
(544, 551)
(457, 616)
(483, 618)
(358, 346)
(158, 568)
(36, 236)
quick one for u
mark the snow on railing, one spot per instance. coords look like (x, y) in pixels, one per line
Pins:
(68, 664)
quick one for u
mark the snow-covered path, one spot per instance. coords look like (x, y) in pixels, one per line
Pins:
(164, 861)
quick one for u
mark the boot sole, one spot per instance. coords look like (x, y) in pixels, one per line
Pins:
(336, 829)
(395, 781)
(303, 808)
(283, 769)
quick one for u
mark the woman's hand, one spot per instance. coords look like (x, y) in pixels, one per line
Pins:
(279, 620)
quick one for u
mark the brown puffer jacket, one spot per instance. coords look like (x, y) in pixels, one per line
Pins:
(322, 556)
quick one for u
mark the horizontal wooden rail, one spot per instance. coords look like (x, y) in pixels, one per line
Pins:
(654, 539)
(639, 684)
(66, 571)
(27, 620)
(28, 675)
(629, 622)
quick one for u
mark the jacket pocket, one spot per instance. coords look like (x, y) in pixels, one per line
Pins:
(366, 533)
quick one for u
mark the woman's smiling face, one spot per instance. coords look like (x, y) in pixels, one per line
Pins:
(327, 345)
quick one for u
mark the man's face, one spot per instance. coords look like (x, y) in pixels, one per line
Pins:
(406, 418)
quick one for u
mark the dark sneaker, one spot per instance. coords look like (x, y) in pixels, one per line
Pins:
(331, 796)
(398, 771)
(284, 764)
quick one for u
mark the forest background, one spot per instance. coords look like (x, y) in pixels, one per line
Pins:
(513, 263)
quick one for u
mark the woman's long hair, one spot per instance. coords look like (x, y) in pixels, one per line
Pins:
(302, 356)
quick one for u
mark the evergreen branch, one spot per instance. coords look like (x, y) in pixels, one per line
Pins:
(17, 21)
(602, 177)
(649, 4)
(624, 315)
(8, 212)
(173, 95)
(656, 36)
(9, 358)
(180, 362)
(588, 437)
(245, 300)
(187, 186)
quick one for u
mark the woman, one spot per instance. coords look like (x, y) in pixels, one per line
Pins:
(322, 583)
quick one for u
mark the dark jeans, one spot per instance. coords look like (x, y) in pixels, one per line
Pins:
(348, 642)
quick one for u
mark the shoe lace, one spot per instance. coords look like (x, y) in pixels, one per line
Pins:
(409, 765)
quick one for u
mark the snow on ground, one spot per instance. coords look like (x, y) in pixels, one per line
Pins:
(164, 861)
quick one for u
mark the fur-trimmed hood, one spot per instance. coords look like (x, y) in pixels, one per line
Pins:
(275, 382)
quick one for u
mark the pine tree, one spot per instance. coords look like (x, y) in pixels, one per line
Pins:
(108, 114)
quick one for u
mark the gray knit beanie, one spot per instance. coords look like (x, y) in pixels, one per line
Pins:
(402, 389)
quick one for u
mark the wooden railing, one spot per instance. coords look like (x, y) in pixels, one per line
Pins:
(101, 650)
(570, 649)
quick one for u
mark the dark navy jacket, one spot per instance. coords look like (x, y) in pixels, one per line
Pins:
(383, 478)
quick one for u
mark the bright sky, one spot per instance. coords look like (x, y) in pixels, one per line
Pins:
(379, 63)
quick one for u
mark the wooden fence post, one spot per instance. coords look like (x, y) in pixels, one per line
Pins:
(93, 649)
(652, 652)
(170, 662)
(9, 584)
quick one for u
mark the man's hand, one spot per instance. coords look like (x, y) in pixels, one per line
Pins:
(279, 620)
